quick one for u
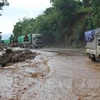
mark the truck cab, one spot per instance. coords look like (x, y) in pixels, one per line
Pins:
(37, 40)
(93, 45)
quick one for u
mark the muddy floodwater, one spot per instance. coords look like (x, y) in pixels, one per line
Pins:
(54, 74)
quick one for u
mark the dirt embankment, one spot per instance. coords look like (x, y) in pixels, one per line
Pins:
(16, 56)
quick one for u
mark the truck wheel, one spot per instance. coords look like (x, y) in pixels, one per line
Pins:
(40, 46)
(89, 56)
(36, 47)
(93, 59)
(32, 46)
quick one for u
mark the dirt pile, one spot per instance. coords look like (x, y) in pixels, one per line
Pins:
(16, 56)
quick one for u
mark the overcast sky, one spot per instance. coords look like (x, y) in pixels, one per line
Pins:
(18, 9)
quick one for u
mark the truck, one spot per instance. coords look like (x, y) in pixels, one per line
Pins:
(92, 41)
(10, 43)
(31, 40)
(7, 42)
(13, 43)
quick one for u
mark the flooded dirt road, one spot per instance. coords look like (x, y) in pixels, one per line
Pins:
(61, 74)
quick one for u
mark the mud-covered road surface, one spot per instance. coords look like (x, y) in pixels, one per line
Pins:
(55, 74)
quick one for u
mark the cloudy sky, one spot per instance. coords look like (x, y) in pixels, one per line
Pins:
(18, 9)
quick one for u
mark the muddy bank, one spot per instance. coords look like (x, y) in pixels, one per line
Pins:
(19, 80)
(16, 56)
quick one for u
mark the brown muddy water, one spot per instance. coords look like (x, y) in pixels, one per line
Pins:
(63, 74)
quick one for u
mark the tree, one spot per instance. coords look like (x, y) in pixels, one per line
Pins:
(12, 37)
(65, 14)
(26, 26)
(17, 31)
(64, 18)
(3, 3)
(87, 3)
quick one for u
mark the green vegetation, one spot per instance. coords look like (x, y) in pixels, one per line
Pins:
(3, 3)
(66, 20)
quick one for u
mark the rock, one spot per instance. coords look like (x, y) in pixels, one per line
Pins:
(8, 50)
